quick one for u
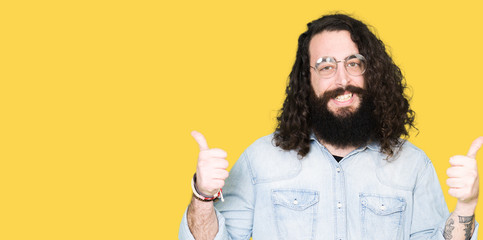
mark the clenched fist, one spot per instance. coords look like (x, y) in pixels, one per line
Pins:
(463, 179)
(211, 169)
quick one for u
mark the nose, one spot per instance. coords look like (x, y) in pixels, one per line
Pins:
(342, 77)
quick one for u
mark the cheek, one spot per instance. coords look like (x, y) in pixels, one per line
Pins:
(359, 82)
(320, 86)
(315, 85)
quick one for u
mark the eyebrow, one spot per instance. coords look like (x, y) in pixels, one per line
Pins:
(324, 56)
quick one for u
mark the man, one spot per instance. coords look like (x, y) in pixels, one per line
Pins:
(335, 168)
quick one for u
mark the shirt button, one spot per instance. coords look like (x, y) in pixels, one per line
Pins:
(383, 207)
(337, 169)
(339, 205)
(295, 202)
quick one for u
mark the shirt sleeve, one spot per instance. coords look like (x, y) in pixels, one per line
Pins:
(235, 214)
(239, 205)
(430, 210)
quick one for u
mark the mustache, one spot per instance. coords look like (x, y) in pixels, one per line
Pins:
(326, 96)
(339, 91)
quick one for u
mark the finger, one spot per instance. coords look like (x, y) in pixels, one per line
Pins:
(220, 174)
(455, 183)
(475, 146)
(200, 139)
(205, 167)
(461, 194)
(217, 153)
(455, 192)
(456, 172)
(456, 160)
(462, 161)
(219, 163)
(212, 153)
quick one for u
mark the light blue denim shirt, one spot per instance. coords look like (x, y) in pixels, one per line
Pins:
(272, 194)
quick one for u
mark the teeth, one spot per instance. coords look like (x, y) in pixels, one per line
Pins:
(344, 97)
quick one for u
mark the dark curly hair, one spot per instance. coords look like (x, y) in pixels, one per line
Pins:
(384, 82)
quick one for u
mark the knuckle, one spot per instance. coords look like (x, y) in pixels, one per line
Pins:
(451, 192)
(225, 164)
(454, 193)
(223, 152)
(219, 151)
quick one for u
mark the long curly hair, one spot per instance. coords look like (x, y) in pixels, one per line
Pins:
(384, 82)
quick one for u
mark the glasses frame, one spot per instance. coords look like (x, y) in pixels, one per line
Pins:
(357, 55)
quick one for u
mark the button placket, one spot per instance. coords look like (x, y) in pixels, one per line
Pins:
(341, 219)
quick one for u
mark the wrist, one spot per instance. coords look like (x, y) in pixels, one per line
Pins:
(465, 208)
(197, 190)
(202, 197)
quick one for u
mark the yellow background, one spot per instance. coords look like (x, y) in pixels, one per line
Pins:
(98, 98)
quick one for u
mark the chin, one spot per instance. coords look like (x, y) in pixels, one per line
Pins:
(344, 111)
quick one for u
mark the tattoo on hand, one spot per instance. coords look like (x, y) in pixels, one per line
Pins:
(463, 219)
(468, 223)
(448, 229)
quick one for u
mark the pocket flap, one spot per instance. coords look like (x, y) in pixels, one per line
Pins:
(296, 199)
(383, 205)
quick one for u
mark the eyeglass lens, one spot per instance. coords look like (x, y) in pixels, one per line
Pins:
(354, 64)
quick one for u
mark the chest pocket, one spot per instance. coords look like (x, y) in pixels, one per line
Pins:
(382, 216)
(295, 211)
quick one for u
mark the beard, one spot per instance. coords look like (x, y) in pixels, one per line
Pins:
(346, 127)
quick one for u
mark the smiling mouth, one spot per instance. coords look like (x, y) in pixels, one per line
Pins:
(343, 97)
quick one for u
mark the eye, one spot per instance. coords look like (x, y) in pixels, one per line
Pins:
(326, 68)
(353, 64)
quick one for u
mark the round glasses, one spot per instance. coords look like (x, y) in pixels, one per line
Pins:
(326, 67)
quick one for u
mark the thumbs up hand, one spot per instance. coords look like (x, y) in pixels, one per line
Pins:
(463, 179)
(211, 169)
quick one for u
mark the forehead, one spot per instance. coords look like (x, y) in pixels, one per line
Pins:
(336, 44)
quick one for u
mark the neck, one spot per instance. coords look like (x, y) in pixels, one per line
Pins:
(338, 151)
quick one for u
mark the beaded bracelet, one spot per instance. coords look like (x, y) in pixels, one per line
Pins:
(203, 197)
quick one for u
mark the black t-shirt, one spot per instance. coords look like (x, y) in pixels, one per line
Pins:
(337, 158)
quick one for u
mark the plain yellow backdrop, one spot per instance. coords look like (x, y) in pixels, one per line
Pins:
(98, 98)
